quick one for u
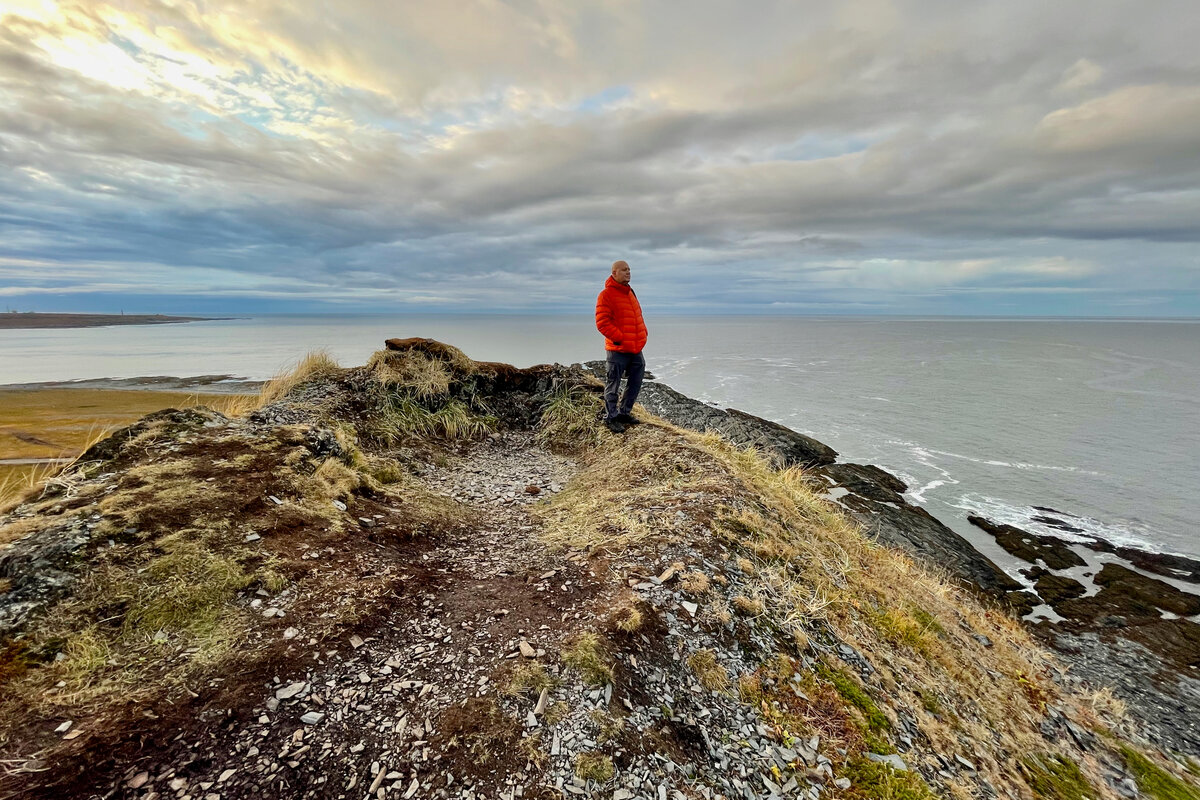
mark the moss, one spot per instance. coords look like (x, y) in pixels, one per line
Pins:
(1056, 778)
(594, 767)
(1155, 781)
(874, 780)
(856, 696)
(586, 654)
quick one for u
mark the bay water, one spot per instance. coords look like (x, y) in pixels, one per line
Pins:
(1099, 419)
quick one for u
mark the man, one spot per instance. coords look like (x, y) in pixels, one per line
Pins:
(619, 318)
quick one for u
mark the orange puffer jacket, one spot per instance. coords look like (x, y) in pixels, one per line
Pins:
(619, 318)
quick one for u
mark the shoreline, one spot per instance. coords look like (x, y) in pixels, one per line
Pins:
(36, 320)
(198, 384)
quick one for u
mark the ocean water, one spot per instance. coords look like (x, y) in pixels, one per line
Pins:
(1099, 419)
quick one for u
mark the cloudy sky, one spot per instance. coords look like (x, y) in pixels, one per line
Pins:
(883, 156)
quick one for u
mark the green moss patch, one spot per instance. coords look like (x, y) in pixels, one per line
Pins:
(875, 780)
(1156, 781)
(856, 696)
(1056, 778)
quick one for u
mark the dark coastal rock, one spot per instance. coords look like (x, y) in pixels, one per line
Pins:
(1052, 522)
(867, 480)
(1137, 591)
(1166, 564)
(1133, 604)
(1030, 547)
(874, 499)
(1021, 603)
(782, 445)
(1056, 588)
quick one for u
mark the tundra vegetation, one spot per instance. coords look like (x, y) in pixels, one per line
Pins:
(316, 490)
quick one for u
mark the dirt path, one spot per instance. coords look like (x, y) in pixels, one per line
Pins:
(397, 712)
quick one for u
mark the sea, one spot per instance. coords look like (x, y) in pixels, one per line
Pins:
(1098, 419)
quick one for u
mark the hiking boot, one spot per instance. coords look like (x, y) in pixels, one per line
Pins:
(628, 419)
(615, 425)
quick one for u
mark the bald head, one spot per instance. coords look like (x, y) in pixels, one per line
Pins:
(620, 272)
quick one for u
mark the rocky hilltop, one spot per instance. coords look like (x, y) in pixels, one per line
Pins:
(431, 577)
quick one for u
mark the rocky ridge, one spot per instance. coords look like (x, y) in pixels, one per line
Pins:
(420, 609)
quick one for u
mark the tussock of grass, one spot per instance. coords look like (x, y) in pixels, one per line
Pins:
(404, 418)
(627, 616)
(608, 726)
(317, 364)
(331, 479)
(1055, 777)
(902, 627)
(749, 606)
(588, 655)
(708, 670)
(594, 767)
(570, 421)
(415, 372)
(695, 583)
(1155, 781)
(529, 678)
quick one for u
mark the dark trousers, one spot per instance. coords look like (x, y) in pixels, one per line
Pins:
(623, 365)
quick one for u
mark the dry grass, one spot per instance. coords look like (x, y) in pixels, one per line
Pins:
(708, 671)
(231, 405)
(587, 654)
(570, 421)
(813, 566)
(806, 565)
(529, 678)
(695, 583)
(316, 364)
(628, 491)
(627, 616)
(404, 418)
(415, 372)
(594, 767)
(19, 486)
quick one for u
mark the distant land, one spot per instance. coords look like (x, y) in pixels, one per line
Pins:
(34, 319)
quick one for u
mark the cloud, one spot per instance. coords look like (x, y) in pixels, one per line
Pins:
(500, 155)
